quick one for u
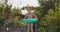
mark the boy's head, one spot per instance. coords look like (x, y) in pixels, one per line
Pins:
(28, 8)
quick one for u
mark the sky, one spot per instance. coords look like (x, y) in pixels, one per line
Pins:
(22, 3)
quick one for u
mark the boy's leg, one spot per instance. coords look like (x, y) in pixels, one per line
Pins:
(36, 28)
(28, 29)
(31, 27)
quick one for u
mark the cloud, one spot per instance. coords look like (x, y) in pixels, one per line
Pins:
(22, 3)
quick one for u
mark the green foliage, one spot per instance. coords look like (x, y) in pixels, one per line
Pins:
(1, 22)
(50, 20)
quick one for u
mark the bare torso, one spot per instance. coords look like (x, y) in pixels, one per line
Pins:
(29, 15)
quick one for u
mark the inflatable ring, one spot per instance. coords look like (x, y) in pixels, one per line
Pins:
(30, 20)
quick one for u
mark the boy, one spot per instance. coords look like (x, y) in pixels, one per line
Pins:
(30, 15)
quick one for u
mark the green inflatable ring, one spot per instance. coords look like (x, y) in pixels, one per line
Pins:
(30, 20)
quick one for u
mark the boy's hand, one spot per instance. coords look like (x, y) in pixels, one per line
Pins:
(36, 18)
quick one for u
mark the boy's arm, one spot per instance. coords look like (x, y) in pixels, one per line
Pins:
(25, 16)
(35, 16)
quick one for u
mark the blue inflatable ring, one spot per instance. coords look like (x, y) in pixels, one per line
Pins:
(30, 20)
